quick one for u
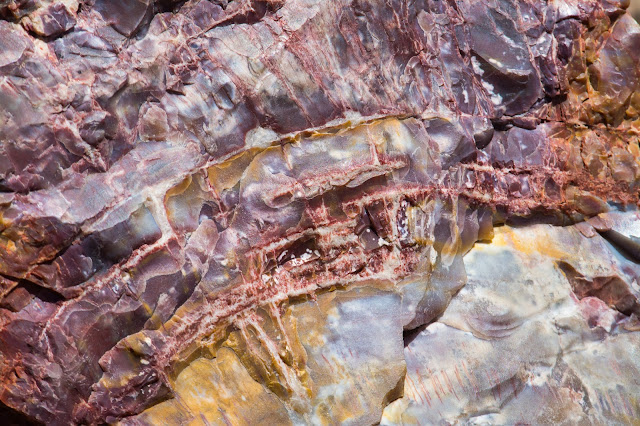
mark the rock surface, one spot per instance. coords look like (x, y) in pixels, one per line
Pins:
(283, 212)
(520, 344)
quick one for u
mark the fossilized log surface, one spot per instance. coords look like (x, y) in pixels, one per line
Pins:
(230, 211)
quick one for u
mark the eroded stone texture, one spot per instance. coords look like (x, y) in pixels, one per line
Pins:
(520, 343)
(275, 211)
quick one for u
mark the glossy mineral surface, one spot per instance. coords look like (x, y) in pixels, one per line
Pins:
(356, 212)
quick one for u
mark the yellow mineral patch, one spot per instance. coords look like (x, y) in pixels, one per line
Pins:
(218, 391)
(179, 188)
(9, 245)
(531, 243)
(226, 175)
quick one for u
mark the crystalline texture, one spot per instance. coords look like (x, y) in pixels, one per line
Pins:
(283, 211)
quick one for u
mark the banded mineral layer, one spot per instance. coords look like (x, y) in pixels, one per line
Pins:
(319, 212)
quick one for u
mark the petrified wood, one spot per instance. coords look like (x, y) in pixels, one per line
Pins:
(319, 211)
